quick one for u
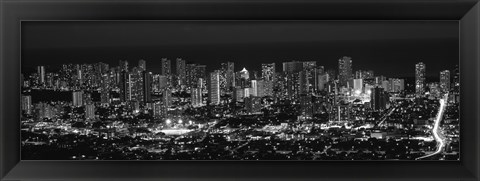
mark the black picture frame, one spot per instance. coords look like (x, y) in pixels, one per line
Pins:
(467, 12)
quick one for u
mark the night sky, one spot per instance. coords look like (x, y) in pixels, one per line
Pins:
(389, 48)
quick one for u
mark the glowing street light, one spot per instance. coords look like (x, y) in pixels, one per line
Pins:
(180, 121)
(168, 121)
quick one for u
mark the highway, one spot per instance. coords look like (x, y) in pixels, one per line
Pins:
(436, 131)
(385, 116)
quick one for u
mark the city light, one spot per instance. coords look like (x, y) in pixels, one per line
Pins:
(358, 92)
(305, 111)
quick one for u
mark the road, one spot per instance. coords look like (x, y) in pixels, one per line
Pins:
(385, 116)
(436, 129)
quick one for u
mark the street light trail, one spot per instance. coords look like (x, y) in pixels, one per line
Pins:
(384, 117)
(440, 141)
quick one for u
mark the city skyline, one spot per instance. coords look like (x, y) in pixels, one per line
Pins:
(243, 90)
(381, 47)
(114, 96)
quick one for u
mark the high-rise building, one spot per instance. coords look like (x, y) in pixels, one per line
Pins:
(292, 67)
(332, 74)
(345, 71)
(254, 88)
(181, 71)
(194, 72)
(136, 85)
(396, 85)
(364, 74)
(214, 88)
(268, 88)
(378, 99)
(227, 77)
(124, 86)
(196, 97)
(268, 71)
(77, 98)
(166, 67)
(358, 85)
(123, 65)
(420, 76)
(157, 109)
(322, 81)
(147, 87)
(434, 89)
(258, 88)
(167, 97)
(445, 81)
(27, 104)
(89, 111)
(244, 74)
(41, 74)
(230, 75)
(163, 82)
(456, 80)
(386, 85)
(142, 64)
(303, 81)
(306, 105)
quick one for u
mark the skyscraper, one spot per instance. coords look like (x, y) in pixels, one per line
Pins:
(420, 78)
(27, 104)
(167, 98)
(397, 85)
(230, 75)
(196, 97)
(147, 87)
(89, 111)
(358, 85)
(345, 71)
(378, 99)
(77, 98)
(124, 86)
(214, 88)
(292, 67)
(123, 65)
(244, 74)
(41, 74)
(364, 74)
(445, 81)
(181, 71)
(268, 71)
(166, 67)
(142, 65)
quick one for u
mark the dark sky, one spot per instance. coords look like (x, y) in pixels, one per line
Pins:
(390, 48)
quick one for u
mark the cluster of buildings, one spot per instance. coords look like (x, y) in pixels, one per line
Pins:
(100, 92)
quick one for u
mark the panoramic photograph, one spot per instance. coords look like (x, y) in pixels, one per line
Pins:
(240, 90)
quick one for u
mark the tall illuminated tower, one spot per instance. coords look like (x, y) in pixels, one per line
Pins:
(244, 74)
(268, 71)
(420, 78)
(41, 74)
(345, 71)
(181, 71)
(214, 89)
(147, 87)
(166, 67)
(230, 74)
(445, 81)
